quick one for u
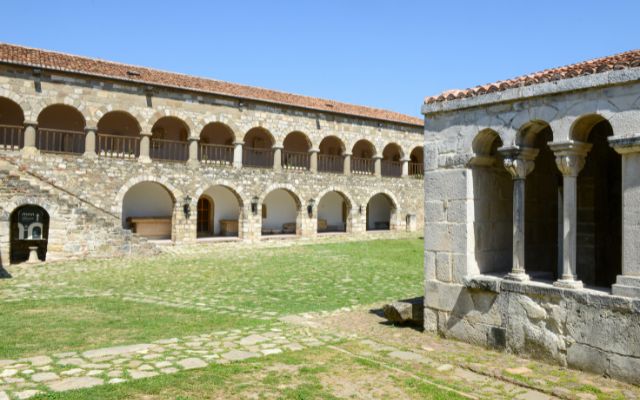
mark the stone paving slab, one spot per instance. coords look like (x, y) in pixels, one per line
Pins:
(77, 370)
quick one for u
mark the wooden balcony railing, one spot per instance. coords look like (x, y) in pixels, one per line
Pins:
(168, 150)
(215, 154)
(11, 137)
(60, 141)
(391, 168)
(295, 160)
(362, 166)
(330, 163)
(117, 146)
(416, 169)
(261, 158)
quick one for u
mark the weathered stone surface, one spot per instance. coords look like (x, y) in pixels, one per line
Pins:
(237, 355)
(405, 311)
(44, 376)
(74, 383)
(191, 363)
(135, 374)
(118, 350)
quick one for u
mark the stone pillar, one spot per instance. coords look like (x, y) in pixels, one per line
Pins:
(377, 166)
(347, 163)
(145, 142)
(193, 151)
(237, 154)
(90, 142)
(570, 159)
(405, 167)
(628, 284)
(29, 146)
(519, 162)
(277, 158)
(313, 160)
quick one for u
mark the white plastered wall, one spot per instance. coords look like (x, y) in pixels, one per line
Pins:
(146, 199)
(225, 205)
(330, 209)
(379, 210)
(281, 209)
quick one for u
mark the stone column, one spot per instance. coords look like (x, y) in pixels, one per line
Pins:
(628, 284)
(29, 146)
(570, 159)
(90, 142)
(519, 162)
(193, 151)
(377, 166)
(347, 163)
(145, 142)
(277, 158)
(405, 167)
(313, 160)
(237, 154)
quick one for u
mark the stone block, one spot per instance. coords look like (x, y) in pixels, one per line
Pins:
(443, 267)
(442, 296)
(446, 184)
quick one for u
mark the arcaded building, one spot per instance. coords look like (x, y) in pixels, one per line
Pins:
(99, 158)
(532, 215)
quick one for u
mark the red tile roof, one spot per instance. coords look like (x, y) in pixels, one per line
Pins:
(50, 60)
(629, 59)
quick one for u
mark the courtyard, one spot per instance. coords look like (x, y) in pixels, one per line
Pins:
(279, 320)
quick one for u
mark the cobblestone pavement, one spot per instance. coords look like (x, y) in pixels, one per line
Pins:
(26, 377)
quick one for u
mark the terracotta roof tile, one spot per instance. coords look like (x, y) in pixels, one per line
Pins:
(629, 59)
(12, 54)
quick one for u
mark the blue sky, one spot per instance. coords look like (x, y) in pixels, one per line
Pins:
(388, 54)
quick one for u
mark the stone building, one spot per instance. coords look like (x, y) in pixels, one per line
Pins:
(532, 215)
(97, 157)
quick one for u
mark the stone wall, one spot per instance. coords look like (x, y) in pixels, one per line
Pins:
(472, 244)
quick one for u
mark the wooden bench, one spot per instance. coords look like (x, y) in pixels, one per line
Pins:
(151, 227)
(229, 227)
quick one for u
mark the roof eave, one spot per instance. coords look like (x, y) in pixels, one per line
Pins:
(584, 82)
(196, 90)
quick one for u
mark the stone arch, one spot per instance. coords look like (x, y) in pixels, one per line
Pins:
(277, 222)
(376, 217)
(150, 209)
(581, 127)
(259, 131)
(222, 196)
(20, 101)
(332, 145)
(79, 124)
(43, 103)
(125, 114)
(11, 124)
(16, 112)
(526, 135)
(117, 204)
(392, 156)
(211, 119)
(366, 147)
(97, 114)
(258, 148)
(348, 218)
(158, 115)
(218, 126)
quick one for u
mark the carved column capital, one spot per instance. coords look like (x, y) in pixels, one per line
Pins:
(519, 160)
(570, 156)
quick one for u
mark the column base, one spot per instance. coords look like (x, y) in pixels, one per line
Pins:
(90, 154)
(33, 255)
(517, 276)
(568, 284)
(144, 159)
(29, 151)
(627, 286)
(193, 163)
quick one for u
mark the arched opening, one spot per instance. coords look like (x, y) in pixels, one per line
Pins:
(599, 242)
(29, 232)
(258, 149)
(391, 160)
(220, 212)
(380, 210)
(493, 206)
(331, 158)
(362, 158)
(118, 135)
(216, 144)
(333, 212)
(147, 209)
(280, 210)
(11, 125)
(295, 153)
(542, 206)
(61, 130)
(169, 137)
(416, 163)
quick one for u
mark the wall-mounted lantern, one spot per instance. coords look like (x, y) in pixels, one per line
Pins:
(254, 205)
(310, 206)
(186, 207)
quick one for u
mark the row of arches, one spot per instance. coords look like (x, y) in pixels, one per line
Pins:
(599, 204)
(149, 209)
(61, 129)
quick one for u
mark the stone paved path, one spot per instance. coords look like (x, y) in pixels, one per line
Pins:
(26, 377)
